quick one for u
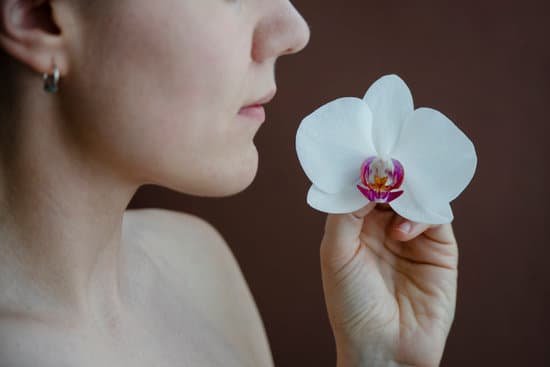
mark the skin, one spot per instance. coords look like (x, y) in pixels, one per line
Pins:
(390, 293)
(144, 98)
(150, 94)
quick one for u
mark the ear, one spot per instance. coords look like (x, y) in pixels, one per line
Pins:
(30, 33)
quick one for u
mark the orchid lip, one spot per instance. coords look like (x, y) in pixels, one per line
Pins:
(381, 177)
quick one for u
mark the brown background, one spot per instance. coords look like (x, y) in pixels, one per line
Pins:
(485, 64)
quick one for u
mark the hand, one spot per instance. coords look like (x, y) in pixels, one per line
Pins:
(390, 295)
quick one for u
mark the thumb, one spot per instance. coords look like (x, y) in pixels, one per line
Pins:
(341, 238)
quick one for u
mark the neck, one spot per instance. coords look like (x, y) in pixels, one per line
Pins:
(61, 216)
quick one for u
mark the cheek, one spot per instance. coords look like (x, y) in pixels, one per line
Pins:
(170, 86)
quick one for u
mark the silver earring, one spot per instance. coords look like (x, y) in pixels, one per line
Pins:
(51, 80)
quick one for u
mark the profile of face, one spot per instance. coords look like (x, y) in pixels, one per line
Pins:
(152, 89)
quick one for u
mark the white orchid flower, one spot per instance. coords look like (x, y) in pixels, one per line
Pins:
(381, 149)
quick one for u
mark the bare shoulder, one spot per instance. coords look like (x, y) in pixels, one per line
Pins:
(178, 233)
(197, 260)
(185, 244)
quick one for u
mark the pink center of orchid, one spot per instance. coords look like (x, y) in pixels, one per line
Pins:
(380, 176)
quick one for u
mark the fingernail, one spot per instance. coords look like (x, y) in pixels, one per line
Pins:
(404, 227)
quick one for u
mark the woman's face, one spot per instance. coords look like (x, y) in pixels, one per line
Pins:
(154, 87)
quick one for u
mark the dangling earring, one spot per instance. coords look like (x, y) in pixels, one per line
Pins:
(50, 81)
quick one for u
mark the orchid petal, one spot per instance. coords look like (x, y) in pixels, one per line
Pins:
(390, 102)
(345, 201)
(439, 162)
(333, 141)
(409, 206)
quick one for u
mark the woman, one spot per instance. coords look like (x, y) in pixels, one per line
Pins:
(139, 92)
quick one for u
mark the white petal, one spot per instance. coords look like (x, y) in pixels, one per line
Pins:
(390, 102)
(333, 141)
(438, 159)
(346, 201)
(439, 162)
(410, 206)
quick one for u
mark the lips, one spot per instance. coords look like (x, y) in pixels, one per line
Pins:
(255, 112)
(266, 99)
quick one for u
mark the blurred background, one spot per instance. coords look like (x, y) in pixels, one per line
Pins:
(486, 65)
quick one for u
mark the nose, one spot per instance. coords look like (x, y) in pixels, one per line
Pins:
(281, 31)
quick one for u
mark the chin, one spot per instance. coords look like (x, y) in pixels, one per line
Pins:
(234, 179)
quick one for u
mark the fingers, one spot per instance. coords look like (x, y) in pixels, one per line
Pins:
(384, 207)
(341, 237)
(362, 213)
(403, 229)
(442, 233)
(346, 227)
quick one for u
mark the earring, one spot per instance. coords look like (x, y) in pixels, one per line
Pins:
(50, 81)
